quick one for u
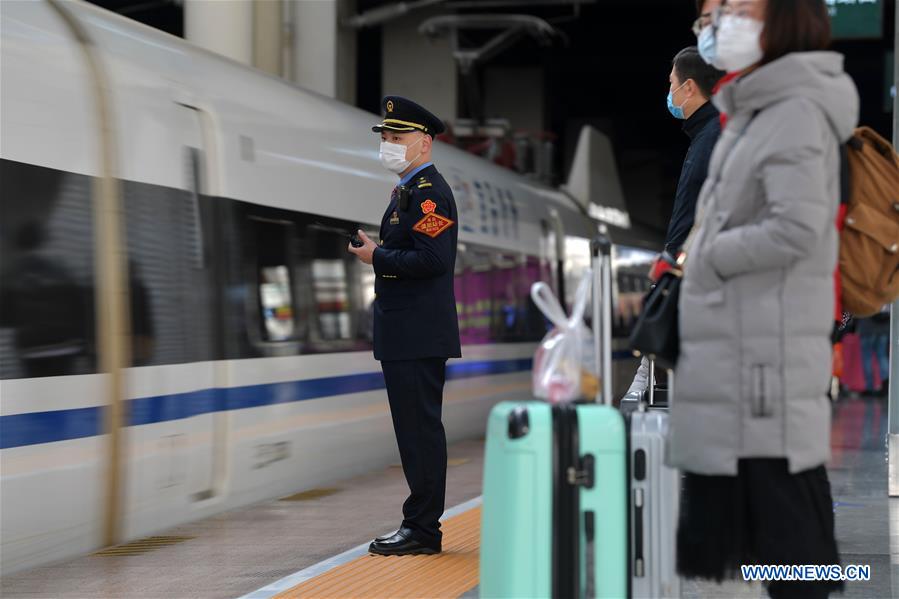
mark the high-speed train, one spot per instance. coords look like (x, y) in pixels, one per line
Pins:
(182, 330)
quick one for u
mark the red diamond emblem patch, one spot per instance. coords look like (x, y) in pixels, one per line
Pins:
(433, 224)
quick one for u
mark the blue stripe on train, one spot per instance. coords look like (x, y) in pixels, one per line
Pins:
(35, 428)
(46, 427)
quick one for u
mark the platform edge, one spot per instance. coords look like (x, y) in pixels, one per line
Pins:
(292, 580)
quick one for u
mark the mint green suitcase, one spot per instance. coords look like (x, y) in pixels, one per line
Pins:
(517, 509)
(602, 434)
(554, 519)
(554, 515)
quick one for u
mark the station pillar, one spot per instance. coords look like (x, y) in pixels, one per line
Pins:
(225, 28)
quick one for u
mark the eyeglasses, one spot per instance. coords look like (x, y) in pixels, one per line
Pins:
(704, 20)
(739, 8)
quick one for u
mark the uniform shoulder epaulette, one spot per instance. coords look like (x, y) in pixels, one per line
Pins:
(423, 183)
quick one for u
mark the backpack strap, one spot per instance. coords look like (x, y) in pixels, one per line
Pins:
(855, 143)
(844, 170)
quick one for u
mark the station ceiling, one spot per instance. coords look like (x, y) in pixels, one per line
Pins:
(610, 70)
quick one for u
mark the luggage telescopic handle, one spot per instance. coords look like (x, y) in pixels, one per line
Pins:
(601, 253)
(652, 384)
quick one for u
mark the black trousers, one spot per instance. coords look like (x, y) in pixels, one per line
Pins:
(764, 515)
(415, 391)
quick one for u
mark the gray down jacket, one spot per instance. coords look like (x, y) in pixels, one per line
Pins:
(757, 299)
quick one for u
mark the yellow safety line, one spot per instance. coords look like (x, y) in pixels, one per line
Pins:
(447, 575)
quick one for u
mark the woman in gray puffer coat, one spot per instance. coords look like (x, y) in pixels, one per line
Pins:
(750, 420)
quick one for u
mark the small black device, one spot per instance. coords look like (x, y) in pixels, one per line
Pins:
(354, 238)
(403, 201)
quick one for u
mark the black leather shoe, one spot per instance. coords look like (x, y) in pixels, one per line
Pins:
(402, 543)
(387, 536)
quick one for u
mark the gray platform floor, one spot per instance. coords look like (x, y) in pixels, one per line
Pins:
(240, 551)
(867, 520)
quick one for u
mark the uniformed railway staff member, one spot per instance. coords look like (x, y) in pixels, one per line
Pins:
(415, 324)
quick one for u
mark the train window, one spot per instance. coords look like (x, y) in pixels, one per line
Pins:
(549, 255)
(312, 295)
(342, 289)
(515, 316)
(273, 279)
(459, 291)
(473, 295)
(143, 335)
(631, 266)
(577, 262)
(537, 324)
(276, 302)
(46, 273)
(507, 294)
(329, 281)
(493, 296)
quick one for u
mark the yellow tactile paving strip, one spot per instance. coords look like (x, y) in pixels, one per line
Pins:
(448, 575)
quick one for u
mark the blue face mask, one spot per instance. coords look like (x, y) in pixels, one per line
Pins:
(708, 47)
(676, 111)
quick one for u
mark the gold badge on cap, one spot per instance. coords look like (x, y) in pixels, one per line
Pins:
(389, 105)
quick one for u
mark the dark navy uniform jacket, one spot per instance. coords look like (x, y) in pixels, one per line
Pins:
(415, 303)
(704, 129)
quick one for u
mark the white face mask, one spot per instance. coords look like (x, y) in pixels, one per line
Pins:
(737, 42)
(393, 156)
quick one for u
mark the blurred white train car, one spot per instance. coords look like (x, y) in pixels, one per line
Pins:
(250, 374)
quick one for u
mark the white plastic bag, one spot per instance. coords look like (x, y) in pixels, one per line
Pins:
(564, 365)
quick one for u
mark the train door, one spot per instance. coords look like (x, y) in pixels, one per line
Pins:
(208, 429)
(174, 433)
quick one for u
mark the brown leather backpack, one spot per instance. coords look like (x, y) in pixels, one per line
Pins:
(869, 240)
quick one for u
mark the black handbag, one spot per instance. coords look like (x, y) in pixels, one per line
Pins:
(656, 332)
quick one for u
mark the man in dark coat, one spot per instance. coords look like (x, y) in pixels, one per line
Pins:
(691, 82)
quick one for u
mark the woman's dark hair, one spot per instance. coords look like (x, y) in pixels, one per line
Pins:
(688, 64)
(794, 26)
